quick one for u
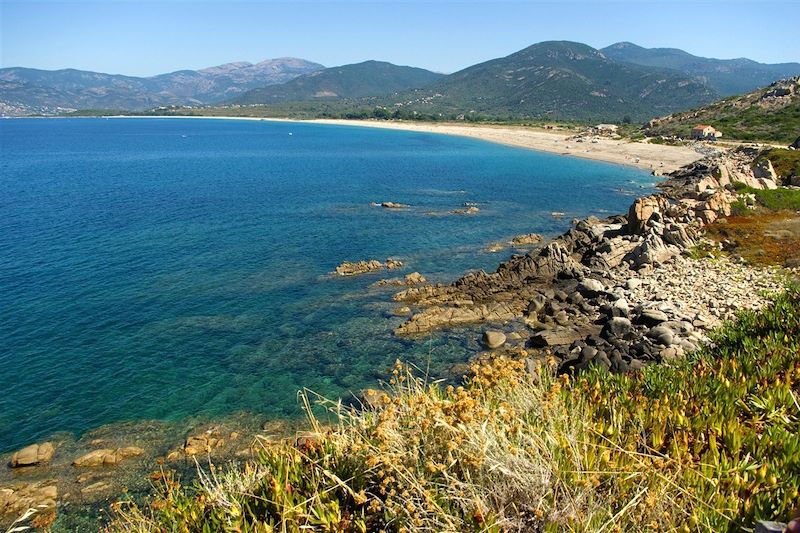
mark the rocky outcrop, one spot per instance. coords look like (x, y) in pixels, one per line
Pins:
(470, 210)
(763, 170)
(207, 442)
(526, 240)
(721, 171)
(392, 205)
(642, 210)
(107, 456)
(17, 498)
(415, 278)
(578, 294)
(33, 455)
(349, 268)
(439, 316)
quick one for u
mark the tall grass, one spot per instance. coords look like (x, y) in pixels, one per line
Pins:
(709, 443)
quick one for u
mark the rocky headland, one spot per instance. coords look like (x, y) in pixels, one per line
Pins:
(354, 268)
(620, 292)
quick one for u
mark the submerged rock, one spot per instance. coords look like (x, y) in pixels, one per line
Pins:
(106, 456)
(394, 205)
(471, 210)
(17, 498)
(203, 443)
(526, 240)
(415, 278)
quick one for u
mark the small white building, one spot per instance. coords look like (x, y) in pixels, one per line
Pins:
(607, 128)
(705, 132)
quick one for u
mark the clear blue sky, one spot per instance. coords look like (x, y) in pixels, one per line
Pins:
(151, 37)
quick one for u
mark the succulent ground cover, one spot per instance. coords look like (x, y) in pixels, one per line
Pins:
(711, 442)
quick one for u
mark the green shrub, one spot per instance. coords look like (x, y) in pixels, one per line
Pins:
(779, 199)
(785, 162)
(739, 209)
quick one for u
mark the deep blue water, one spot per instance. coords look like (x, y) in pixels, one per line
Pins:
(154, 268)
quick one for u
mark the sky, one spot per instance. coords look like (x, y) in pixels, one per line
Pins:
(144, 38)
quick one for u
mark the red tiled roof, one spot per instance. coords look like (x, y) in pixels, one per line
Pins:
(701, 127)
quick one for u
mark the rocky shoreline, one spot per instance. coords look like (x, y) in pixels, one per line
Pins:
(620, 292)
(72, 480)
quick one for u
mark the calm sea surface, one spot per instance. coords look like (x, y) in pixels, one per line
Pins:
(161, 269)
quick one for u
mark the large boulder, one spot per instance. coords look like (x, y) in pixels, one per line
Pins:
(591, 287)
(33, 455)
(556, 337)
(662, 334)
(652, 317)
(616, 327)
(763, 170)
(493, 339)
(653, 250)
(721, 174)
(642, 209)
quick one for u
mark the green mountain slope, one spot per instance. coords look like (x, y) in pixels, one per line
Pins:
(727, 76)
(560, 80)
(768, 114)
(370, 78)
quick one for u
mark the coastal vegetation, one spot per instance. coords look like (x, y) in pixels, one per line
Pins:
(764, 229)
(786, 163)
(711, 442)
(768, 114)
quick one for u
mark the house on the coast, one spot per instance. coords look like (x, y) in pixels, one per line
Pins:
(705, 132)
(607, 129)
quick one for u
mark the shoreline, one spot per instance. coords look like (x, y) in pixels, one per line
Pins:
(658, 293)
(657, 158)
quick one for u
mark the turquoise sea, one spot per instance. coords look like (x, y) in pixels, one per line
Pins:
(170, 268)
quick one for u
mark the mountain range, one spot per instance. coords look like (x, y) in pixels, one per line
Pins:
(370, 78)
(27, 91)
(561, 80)
(727, 76)
(554, 80)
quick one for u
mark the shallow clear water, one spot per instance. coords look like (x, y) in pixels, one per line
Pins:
(154, 268)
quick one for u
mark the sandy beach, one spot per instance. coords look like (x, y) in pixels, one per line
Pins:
(654, 157)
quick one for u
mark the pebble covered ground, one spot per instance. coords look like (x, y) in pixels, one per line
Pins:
(713, 287)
